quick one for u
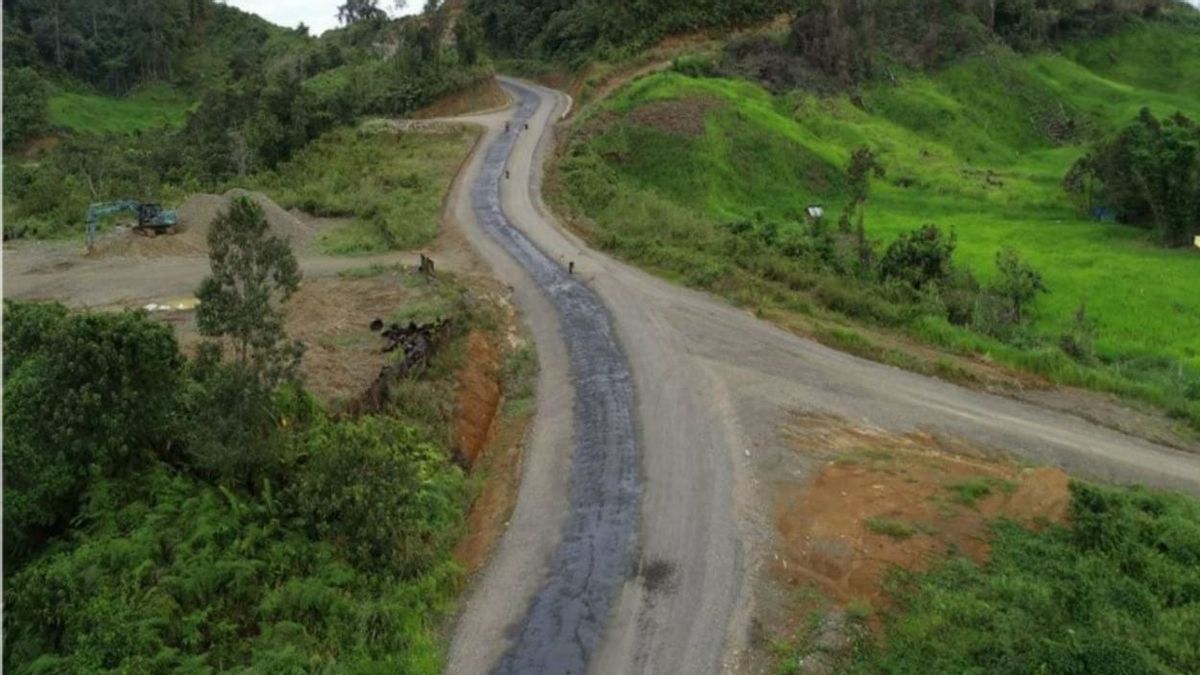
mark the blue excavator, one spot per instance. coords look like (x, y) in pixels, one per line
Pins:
(152, 219)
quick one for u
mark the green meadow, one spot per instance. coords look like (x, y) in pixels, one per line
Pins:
(149, 107)
(980, 147)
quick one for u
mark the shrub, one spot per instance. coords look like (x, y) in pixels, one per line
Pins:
(1017, 284)
(390, 499)
(1079, 340)
(694, 65)
(919, 257)
(1116, 592)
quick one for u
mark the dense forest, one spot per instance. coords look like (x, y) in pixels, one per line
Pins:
(114, 45)
(836, 35)
(258, 93)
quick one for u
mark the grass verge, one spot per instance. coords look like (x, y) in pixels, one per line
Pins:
(388, 184)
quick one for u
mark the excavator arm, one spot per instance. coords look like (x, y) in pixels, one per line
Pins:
(148, 216)
(101, 209)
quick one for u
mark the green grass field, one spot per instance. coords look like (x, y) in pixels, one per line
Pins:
(965, 148)
(389, 184)
(149, 107)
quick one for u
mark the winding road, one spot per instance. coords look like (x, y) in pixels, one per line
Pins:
(643, 517)
(638, 530)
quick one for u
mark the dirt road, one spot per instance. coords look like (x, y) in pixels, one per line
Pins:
(713, 387)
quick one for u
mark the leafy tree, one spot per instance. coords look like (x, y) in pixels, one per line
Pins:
(113, 44)
(85, 395)
(468, 38)
(253, 273)
(1017, 283)
(1149, 174)
(26, 104)
(353, 11)
(919, 257)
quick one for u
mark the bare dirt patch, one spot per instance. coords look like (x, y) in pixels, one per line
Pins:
(332, 317)
(682, 117)
(878, 501)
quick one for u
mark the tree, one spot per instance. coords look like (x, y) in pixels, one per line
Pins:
(1149, 175)
(253, 274)
(468, 38)
(919, 257)
(85, 395)
(372, 484)
(353, 11)
(1017, 283)
(863, 164)
(26, 104)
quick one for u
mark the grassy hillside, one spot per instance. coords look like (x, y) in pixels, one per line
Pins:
(981, 147)
(150, 107)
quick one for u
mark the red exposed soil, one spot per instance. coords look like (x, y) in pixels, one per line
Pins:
(881, 501)
(478, 397)
(488, 518)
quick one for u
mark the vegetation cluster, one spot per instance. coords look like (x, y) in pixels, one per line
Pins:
(222, 95)
(172, 514)
(1114, 591)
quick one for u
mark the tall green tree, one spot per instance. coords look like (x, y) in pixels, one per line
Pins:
(26, 104)
(253, 272)
(353, 11)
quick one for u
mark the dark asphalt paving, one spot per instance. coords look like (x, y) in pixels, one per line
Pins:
(565, 620)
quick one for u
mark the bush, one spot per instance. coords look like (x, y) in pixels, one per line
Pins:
(1079, 341)
(694, 65)
(919, 257)
(1116, 592)
(391, 500)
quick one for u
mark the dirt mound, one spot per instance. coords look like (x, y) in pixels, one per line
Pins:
(196, 216)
